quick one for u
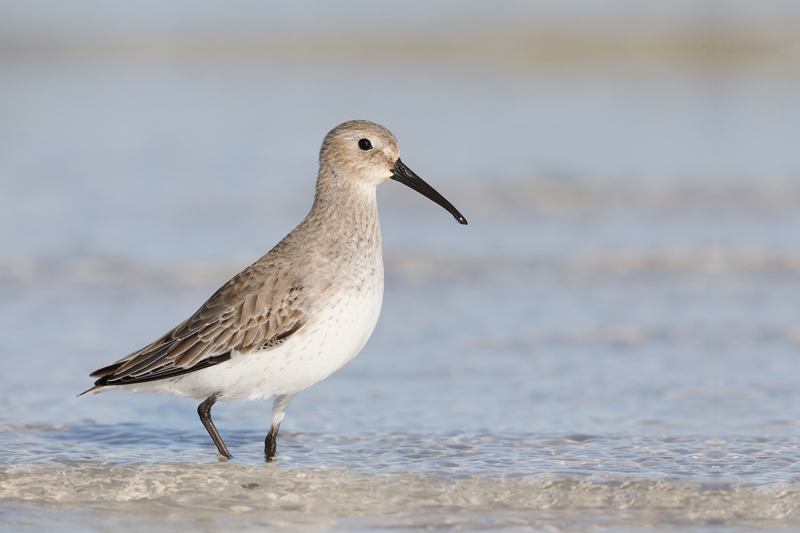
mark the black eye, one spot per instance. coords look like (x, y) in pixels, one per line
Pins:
(364, 144)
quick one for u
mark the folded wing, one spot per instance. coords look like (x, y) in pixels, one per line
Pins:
(253, 311)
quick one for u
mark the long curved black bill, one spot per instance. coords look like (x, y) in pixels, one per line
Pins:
(406, 176)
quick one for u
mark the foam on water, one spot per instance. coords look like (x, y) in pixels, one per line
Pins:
(399, 480)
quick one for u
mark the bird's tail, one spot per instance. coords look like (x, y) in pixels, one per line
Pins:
(96, 388)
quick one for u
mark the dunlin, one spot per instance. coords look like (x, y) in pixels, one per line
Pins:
(298, 314)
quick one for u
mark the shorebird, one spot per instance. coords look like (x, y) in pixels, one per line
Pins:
(300, 312)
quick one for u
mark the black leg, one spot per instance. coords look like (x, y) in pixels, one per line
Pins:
(271, 443)
(278, 410)
(204, 410)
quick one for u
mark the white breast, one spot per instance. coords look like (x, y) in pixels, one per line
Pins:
(333, 336)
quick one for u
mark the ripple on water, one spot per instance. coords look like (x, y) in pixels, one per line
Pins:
(135, 475)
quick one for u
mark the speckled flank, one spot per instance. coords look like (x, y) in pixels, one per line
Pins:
(339, 330)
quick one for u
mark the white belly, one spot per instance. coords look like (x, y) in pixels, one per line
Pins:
(331, 338)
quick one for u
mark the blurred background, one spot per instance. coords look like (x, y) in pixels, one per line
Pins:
(629, 280)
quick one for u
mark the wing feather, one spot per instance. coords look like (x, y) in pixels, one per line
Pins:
(250, 312)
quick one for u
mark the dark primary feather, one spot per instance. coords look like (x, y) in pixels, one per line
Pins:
(253, 311)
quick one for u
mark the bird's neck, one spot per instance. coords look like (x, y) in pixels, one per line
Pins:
(346, 213)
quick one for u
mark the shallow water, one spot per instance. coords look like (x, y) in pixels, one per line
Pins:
(611, 343)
